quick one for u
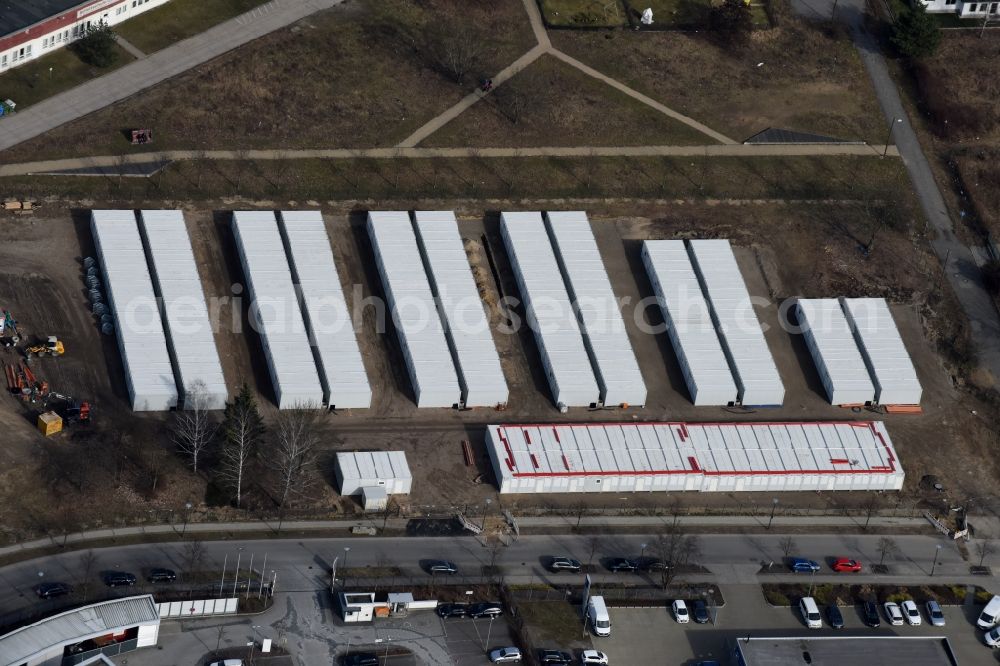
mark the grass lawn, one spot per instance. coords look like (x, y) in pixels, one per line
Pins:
(810, 79)
(553, 623)
(365, 73)
(553, 104)
(583, 13)
(32, 82)
(673, 14)
(180, 19)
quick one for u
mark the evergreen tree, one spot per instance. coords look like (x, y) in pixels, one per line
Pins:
(916, 33)
(97, 45)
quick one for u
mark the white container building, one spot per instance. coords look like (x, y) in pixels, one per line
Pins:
(603, 327)
(467, 325)
(550, 311)
(882, 348)
(835, 352)
(421, 334)
(709, 457)
(275, 310)
(742, 339)
(149, 374)
(689, 323)
(387, 470)
(184, 309)
(324, 307)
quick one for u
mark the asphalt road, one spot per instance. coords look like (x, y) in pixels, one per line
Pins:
(303, 565)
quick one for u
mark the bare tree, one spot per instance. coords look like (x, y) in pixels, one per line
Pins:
(675, 548)
(984, 548)
(871, 506)
(454, 49)
(242, 429)
(579, 511)
(787, 545)
(193, 555)
(87, 563)
(194, 429)
(886, 546)
(295, 450)
(511, 103)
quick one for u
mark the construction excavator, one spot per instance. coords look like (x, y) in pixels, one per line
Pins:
(51, 347)
(10, 336)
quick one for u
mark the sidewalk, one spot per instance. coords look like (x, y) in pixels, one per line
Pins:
(159, 67)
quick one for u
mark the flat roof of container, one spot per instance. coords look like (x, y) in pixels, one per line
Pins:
(138, 325)
(601, 319)
(464, 314)
(342, 369)
(414, 309)
(840, 650)
(836, 346)
(709, 449)
(739, 329)
(280, 323)
(185, 309)
(550, 311)
(363, 465)
(883, 350)
(689, 318)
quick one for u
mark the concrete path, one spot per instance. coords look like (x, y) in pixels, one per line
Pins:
(159, 67)
(130, 47)
(102, 162)
(544, 46)
(961, 264)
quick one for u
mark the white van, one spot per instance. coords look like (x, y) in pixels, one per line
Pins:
(990, 615)
(597, 615)
(810, 613)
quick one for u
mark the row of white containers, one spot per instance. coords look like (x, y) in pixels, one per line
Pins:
(157, 358)
(858, 352)
(308, 339)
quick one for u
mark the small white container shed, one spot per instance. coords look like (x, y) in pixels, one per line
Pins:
(835, 352)
(388, 470)
(883, 350)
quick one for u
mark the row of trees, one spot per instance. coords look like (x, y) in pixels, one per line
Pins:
(235, 444)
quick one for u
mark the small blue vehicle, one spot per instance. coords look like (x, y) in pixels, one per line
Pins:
(802, 565)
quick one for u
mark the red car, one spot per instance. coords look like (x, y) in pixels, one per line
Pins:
(846, 565)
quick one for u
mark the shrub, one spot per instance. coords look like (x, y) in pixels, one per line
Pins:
(732, 22)
(97, 45)
(916, 33)
(775, 598)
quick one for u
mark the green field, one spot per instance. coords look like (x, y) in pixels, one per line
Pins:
(180, 19)
(51, 74)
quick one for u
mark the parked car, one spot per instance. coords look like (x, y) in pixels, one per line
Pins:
(810, 613)
(934, 613)
(911, 612)
(988, 618)
(119, 579)
(358, 659)
(621, 564)
(846, 565)
(486, 609)
(834, 616)
(802, 565)
(593, 657)
(649, 564)
(159, 575)
(710, 662)
(680, 610)
(505, 655)
(554, 657)
(869, 610)
(230, 662)
(992, 637)
(452, 610)
(893, 614)
(445, 567)
(700, 611)
(561, 564)
(52, 590)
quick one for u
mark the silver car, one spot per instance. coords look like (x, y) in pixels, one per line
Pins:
(506, 655)
(934, 613)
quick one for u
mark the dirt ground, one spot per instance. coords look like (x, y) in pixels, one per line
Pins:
(784, 251)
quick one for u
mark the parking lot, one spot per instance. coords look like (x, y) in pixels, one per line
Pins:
(468, 641)
(648, 636)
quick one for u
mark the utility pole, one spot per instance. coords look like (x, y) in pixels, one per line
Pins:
(774, 506)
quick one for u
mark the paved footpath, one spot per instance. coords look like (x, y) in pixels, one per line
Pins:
(159, 67)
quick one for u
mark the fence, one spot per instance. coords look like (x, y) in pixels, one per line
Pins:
(109, 650)
(198, 608)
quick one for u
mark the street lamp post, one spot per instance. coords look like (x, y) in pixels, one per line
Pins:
(347, 551)
(486, 507)
(774, 507)
(892, 126)
(937, 551)
(187, 513)
(642, 553)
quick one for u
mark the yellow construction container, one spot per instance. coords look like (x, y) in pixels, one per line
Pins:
(49, 423)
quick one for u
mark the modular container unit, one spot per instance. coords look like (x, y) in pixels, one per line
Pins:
(184, 309)
(550, 311)
(689, 323)
(149, 374)
(324, 307)
(275, 310)
(709, 457)
(603, 327)
(834, 351)
(421, 334)
(467, 325)
(742, 339)
(373, 469)
(889, 364)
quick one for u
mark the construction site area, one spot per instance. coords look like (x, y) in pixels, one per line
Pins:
(128, 459)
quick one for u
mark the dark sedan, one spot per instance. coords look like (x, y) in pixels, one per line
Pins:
(554, 657)
(700, 611)
(486, 609)
(834, 616)
(442, 567)
(869, 611)
(620, 565)
(52, 590)
(452, 610)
